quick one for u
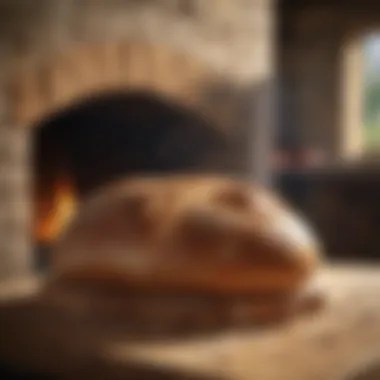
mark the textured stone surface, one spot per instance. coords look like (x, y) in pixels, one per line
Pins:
(39, 90)
(15, 172)
(233, 36)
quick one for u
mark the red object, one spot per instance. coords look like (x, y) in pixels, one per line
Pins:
(307, 158)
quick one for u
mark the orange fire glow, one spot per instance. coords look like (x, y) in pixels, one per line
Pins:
(58, 212)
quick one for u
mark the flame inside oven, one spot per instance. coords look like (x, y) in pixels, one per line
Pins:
(55, 213)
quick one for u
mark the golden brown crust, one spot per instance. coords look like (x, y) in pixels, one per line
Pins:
(190, 233)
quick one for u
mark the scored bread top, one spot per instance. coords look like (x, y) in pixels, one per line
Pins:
(189, 232)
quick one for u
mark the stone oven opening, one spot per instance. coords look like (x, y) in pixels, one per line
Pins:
(107, 137)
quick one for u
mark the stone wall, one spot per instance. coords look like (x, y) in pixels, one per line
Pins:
(215, 55)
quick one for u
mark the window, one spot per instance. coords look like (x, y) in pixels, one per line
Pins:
(371, 92)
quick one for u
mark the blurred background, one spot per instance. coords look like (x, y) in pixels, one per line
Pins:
(286, 93)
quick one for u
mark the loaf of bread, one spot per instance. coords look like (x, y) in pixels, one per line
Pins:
(186, 234)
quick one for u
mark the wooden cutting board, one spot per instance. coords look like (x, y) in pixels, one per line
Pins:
(337, 343)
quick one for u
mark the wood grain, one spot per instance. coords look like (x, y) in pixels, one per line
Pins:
(335, 344)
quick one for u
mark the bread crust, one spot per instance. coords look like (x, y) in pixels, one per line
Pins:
(188, 234)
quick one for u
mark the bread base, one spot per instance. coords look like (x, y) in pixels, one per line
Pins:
(141, 314)
(193, 277)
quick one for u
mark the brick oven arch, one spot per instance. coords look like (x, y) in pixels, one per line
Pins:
(42, 87)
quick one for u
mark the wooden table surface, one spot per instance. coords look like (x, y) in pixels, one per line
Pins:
(333, 344)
